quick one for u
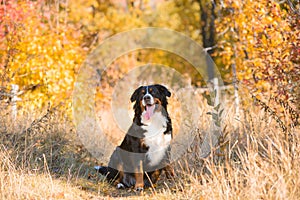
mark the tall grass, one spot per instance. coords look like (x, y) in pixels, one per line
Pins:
(43, 159)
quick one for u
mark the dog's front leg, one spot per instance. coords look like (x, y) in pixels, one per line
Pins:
(169, 171)
(139, 177)
(139, 185)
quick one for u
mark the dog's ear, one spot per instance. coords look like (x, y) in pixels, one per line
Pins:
(135, 94)
(163, 90)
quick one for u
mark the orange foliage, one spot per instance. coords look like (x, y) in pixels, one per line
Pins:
(259, 38)
(43, 43)
(40, 52)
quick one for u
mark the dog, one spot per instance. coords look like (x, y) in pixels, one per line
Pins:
(145, 150)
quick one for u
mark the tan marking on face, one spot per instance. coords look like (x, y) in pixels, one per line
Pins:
(141, 105)
(157, 101)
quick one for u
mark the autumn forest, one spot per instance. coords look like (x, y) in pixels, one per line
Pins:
(245, 143)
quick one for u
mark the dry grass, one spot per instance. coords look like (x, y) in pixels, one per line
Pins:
(17, 183)
(45, 160)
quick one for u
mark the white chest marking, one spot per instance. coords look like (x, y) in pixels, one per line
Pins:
(155, 139)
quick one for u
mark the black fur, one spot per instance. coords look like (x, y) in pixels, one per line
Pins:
(159, 91)
(133, 142)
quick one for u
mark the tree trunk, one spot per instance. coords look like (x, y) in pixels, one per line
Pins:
(207, 9)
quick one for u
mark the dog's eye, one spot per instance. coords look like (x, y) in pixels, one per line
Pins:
(152, 91)
(143, 91)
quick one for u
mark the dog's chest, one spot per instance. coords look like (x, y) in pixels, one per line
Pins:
(155, 139)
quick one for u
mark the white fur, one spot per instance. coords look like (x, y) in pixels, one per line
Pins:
(155, 138)
(151, 100)
(148, 94)
(120, 186)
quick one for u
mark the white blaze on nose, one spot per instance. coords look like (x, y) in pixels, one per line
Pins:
(147, 94)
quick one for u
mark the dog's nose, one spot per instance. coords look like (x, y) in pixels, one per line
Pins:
(147, 97)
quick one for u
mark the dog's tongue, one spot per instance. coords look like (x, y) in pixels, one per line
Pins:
(149, 111)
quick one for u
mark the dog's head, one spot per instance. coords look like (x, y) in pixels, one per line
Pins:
(147, 98)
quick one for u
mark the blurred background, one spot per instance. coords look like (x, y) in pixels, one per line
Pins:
(43, 43)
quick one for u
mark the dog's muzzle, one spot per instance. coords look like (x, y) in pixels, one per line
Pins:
(148, 100)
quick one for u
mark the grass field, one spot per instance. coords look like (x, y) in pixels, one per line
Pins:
(44, 159)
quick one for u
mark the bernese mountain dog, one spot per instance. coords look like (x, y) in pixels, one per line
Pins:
(145, 151)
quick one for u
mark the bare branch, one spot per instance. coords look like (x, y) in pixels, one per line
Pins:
(294, 8)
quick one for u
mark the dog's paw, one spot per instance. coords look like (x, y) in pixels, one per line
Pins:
(139, 189)
(120, 186)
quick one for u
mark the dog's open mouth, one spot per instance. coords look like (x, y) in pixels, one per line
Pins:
(149, 110)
